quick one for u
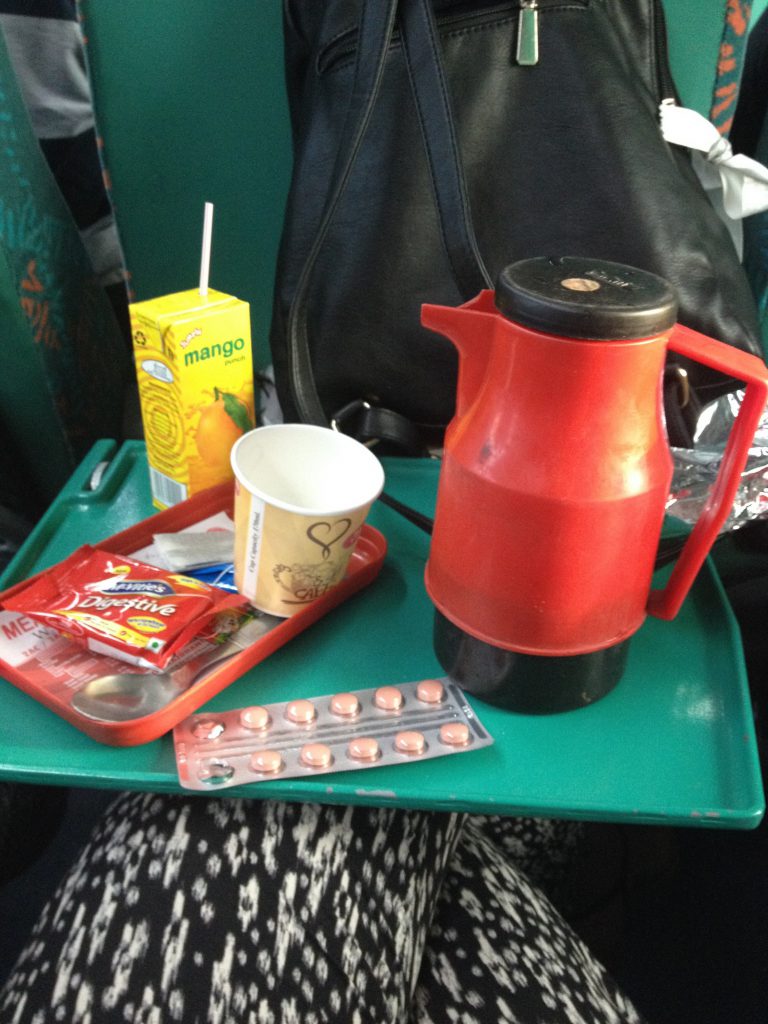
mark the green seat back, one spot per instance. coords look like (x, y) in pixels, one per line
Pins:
(191, 106)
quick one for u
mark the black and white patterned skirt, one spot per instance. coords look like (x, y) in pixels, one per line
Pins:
(212, 911)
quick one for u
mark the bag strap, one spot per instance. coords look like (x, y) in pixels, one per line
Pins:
(421, 50)
(377, 21)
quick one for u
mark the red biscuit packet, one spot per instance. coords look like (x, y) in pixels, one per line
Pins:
(115, 605)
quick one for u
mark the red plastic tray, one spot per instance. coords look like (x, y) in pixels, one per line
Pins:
(364, 566)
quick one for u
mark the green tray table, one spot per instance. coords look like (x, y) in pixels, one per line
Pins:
(674, 743)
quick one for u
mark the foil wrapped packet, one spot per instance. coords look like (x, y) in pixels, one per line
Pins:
(696, 468)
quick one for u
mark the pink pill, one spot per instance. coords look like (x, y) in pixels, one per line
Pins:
(266, 762)
(410, 743)
(316, 755)
(430, 691)
(302, 712)
(454, 734)
(388, 698)
(254, 718)
(345, 704)
(364, 748)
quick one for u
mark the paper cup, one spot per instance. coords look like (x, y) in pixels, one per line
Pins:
(301, 497)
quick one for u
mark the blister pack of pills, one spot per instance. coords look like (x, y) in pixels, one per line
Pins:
(338, 732)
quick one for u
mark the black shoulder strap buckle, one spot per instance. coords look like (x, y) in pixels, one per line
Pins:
(374, 425)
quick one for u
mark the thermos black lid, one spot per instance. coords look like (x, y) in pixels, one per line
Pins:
(577, 297)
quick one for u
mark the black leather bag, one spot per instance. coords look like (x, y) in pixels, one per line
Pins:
(430, 152)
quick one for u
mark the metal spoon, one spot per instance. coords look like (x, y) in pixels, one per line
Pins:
(125, 696)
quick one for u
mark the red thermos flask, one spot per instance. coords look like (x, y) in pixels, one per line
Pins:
(555, 477)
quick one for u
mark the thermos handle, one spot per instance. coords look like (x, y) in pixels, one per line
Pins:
(665, 604)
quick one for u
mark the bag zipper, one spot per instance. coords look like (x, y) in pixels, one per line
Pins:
(342, 48)
(665, 82)
(527, 53)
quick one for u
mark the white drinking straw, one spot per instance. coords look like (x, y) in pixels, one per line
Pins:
(205, 258)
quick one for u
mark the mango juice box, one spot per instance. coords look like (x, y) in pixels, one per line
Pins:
(195, 374)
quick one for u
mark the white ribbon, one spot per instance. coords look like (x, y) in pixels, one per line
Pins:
(744, 181)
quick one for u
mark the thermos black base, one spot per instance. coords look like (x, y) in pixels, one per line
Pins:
(527, 683)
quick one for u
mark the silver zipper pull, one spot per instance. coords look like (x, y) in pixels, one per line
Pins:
(528, 33)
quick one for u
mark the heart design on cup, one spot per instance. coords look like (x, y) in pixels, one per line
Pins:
(326, 534)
